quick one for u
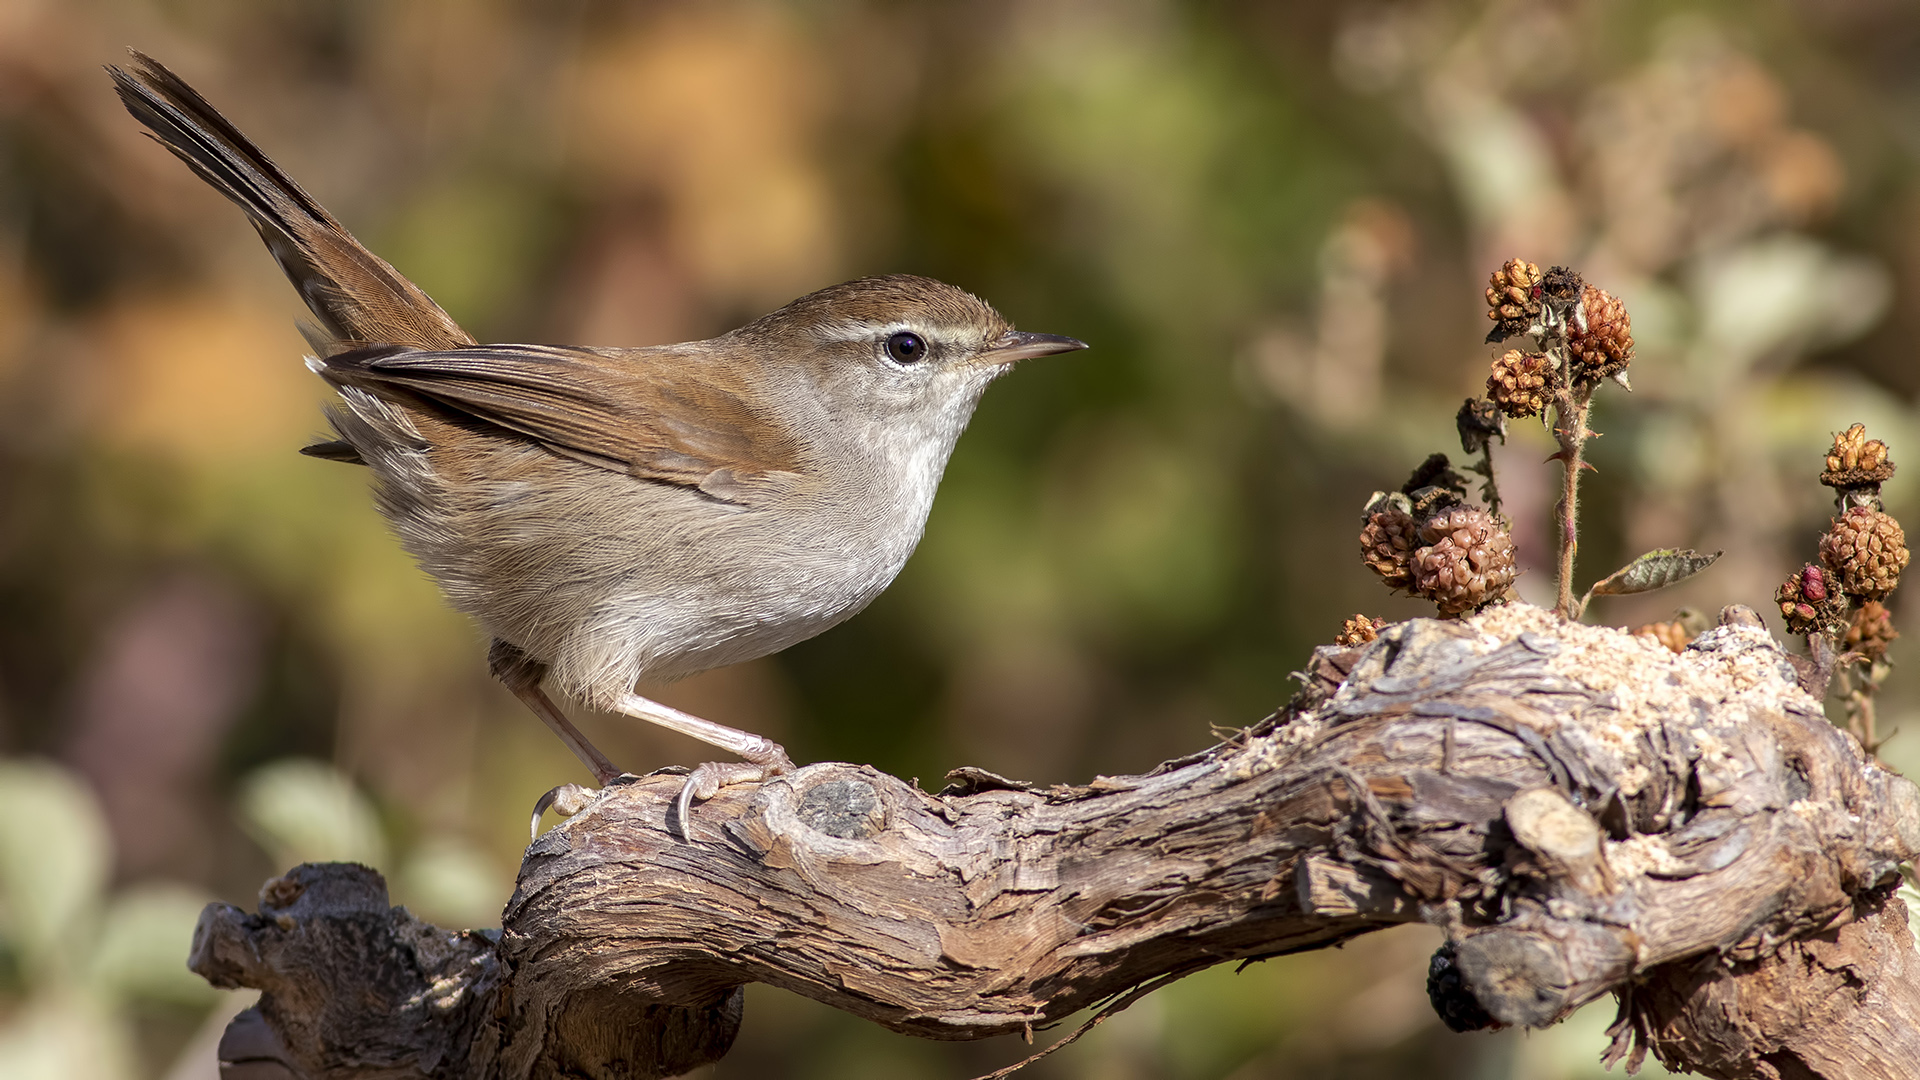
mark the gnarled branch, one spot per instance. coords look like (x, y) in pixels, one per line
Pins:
(1582, 811)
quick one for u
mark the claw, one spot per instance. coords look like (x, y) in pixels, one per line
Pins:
(682, 807)
(565, 800)
(705, 782)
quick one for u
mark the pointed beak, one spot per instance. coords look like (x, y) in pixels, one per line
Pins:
(1020, 345)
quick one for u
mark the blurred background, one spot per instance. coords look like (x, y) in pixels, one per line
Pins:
(1273, 222)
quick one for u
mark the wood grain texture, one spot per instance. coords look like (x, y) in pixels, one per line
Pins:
(1582, 814)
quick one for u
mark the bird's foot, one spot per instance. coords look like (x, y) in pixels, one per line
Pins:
(568, 800)
(704, 782)
(565, 800)
(764, 758)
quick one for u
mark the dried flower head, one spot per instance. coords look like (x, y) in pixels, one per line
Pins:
(1673, 634)
(1866, 550)
(1386, 544)
(1358, 631)
(1433, 487)
(1436, 471)
(1512, 300)
(1857, 461)
(1560, 288)
(1466, 562)
(1520, 383)
(1604, 347)
(1479, 422)
(1809, 602)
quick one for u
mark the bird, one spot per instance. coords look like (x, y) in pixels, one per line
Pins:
(609, 515)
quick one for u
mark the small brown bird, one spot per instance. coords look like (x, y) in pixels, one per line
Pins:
(609, 514)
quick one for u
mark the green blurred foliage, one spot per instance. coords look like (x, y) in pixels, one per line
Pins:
(80, 966)
(1272, 222)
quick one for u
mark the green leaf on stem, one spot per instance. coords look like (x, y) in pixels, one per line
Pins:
(1657, 569)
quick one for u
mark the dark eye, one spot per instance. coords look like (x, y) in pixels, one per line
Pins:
(906, 348)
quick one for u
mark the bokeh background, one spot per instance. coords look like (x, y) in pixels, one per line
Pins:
(1271, 220)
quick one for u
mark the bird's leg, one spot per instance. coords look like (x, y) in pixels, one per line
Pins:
(764, 758)
(521, 674)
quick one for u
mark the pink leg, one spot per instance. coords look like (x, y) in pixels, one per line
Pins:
(764, 758)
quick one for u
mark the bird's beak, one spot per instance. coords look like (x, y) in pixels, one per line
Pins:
(1020, 345)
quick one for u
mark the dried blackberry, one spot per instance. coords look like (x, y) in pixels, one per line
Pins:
(1466, 562)
(1870, 631)
(1521, 383)
(1387, 542)
(1857, 461)
(1866, 550)
(1513, 299)
(1605, 347)
(1809, 602)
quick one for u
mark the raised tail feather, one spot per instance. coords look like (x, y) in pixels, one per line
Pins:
(357, 298)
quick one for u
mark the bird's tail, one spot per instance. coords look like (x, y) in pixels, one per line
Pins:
(357, 298)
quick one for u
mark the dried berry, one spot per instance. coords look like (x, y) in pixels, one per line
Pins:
(1513, 302)
(1866, 550)
(1467, 560)
(1386, 543)
(1520, 382)
(1809, 603)
(1358, 631)
(1871, 631)
(1605, 347)
(1813, 584)
(1674, 635)
(1857, 461)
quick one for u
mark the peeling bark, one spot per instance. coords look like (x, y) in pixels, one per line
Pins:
(1582, 811)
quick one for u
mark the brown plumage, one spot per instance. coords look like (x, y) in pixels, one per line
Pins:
(614, 513)
(356, 296)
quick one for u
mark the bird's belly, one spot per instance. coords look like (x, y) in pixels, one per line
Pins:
(732, 602)
(608, 579)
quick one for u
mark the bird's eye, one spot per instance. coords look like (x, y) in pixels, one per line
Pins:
(906, 348)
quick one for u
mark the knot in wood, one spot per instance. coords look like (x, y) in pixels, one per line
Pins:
(1565, 837)
(1516, 977)
(325, 888)
(848, 809)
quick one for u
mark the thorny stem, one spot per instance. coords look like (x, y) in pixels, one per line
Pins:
(1570, 409)
(1858, 688)
(1862, 713)
(1861, 718)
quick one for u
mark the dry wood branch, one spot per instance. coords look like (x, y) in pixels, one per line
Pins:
(1837, 1004)
(1582, 811)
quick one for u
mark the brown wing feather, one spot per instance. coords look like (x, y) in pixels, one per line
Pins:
(607, 408)
(585, 404)
(357, 297)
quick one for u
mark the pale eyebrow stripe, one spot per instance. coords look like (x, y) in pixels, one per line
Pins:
(868, 331)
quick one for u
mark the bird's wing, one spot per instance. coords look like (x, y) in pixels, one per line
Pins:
(611, 409)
